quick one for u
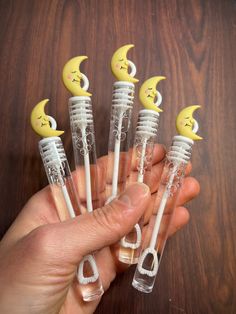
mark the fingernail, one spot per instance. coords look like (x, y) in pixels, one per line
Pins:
(134, 194)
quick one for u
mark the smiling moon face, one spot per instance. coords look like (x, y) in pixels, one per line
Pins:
(148, 93)
(72, 77)
(41, 123)
(120, 65)
(185, 124)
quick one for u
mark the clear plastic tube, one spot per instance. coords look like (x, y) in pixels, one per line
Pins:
(119, 138)
(145, 138)
(83, 138)
(158, 227)
(66, 201)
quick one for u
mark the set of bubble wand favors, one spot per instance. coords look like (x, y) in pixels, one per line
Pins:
(67, 191)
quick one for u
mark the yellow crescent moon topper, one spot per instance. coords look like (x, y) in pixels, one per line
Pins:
(186, 125)
(148, 93)
(42, 124)
(72, 77)
(120, 65)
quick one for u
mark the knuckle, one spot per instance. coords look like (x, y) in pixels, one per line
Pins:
(110, 217)
(106, 284)
(42, 241)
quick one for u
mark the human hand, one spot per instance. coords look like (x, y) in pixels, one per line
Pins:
(39, 254)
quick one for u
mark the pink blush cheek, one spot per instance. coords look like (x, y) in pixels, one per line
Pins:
(69, 76)
(117, 65)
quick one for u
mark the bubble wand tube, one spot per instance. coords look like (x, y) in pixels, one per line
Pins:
(174, 170)
(145, 138)
(122, 105)
(83, 139)
(82, 128)
(61, 184)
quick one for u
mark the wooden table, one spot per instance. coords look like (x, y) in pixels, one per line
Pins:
(193, 43)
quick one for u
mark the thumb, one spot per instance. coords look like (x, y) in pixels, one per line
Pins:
(104, 226)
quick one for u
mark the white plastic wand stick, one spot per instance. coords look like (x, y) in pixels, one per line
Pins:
(160, 211)
(116, 159)
(87, 171)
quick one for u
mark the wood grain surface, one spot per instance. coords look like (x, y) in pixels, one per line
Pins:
(192, 43)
